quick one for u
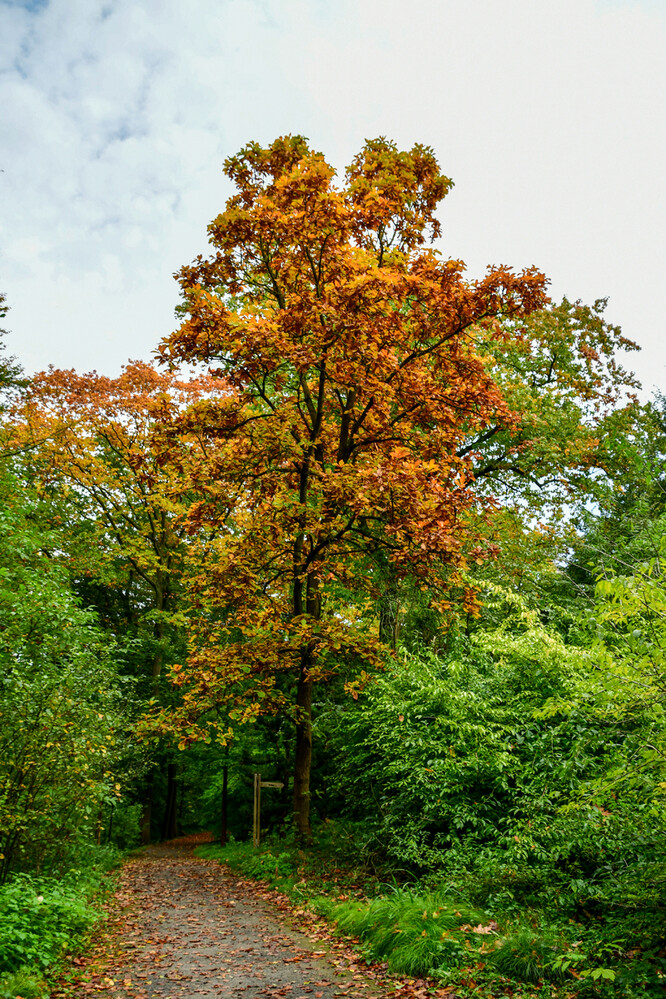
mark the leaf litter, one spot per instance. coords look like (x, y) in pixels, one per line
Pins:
(184, 927)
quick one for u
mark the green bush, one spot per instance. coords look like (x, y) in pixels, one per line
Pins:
(527, 955)
(266, 864)
(63, 704)
(39, 919)
(126, 825)
(485, 771)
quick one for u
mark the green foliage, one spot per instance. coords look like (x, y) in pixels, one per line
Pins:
(42, 918)
(268, 864)
(428, 934)
(62, 716)
(326, 869)
(419, 932)
(124, 824)
(558, 370)
(527, 954)
(485, 768)
(39, 918)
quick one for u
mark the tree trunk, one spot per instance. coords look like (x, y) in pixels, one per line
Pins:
(110, 829)
(223, 816)
(161, 598)
(169, 825)
(147, 813)
(155, 672)
(303, 760)
(181, 807)
(309, 596)
(389, 615)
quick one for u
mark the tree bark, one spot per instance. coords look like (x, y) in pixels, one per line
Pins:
(389, 614)
(181, 807)
(109, 833)
(223, 816)
(155, 673)
(158, 631)
(303, 760)
(147, 813)
(169, 830)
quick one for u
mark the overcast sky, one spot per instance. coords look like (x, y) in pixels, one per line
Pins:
(549, 115)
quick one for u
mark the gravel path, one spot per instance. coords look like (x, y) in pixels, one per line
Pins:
(181, 926)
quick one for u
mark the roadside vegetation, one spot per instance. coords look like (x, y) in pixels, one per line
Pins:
(45, 920)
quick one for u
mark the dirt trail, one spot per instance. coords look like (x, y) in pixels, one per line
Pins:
(181, 926)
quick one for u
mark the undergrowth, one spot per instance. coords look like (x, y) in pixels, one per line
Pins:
(421, 930)
(44, 918)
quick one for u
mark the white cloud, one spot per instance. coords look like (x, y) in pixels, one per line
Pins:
(549, 116)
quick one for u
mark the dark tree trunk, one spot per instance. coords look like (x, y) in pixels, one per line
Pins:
(6, 858)
(110, 829)
(285, 773)
(147, 813)
(389, 616)
(169, 830)
(303, 749)
(155, 671)
(303, 760)
(223, 815)
(181, 807)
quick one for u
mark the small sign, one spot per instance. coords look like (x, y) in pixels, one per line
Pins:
(272, 783)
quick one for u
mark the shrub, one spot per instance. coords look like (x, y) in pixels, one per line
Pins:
(39, 918)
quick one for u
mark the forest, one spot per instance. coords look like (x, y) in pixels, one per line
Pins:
(386, 535)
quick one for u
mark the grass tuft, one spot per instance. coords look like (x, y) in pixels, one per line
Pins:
(526, 955)
(24, 983)
(415, 933)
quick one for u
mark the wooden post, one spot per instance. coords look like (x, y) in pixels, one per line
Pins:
(256, 825)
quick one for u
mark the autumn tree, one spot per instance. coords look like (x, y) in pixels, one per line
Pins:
(353, 382)
(89, 437)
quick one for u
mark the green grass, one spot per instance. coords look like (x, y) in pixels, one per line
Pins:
(416, 934)
(24, 983)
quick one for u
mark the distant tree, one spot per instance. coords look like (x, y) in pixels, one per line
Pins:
(10, 369)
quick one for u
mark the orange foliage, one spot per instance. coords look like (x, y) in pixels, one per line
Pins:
(349, 350)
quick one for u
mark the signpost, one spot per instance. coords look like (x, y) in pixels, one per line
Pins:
(256, 825)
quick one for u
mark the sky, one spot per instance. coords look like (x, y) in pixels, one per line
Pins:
(117, 115)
